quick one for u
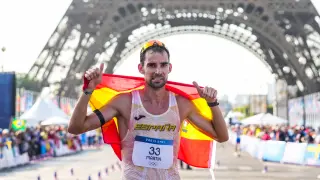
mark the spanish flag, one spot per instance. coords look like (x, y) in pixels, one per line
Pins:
(196, 148)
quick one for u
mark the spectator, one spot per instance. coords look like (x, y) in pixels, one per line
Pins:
(266, 136)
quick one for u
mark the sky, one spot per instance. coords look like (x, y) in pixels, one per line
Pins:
(26, 27)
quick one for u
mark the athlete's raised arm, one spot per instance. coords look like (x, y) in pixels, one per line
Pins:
(215, 128)
(80, 122)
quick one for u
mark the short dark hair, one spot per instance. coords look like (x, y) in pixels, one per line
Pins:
(158, 49)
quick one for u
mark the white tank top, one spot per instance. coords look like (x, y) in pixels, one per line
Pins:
(150, 148)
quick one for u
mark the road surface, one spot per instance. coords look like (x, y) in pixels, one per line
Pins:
(90, 164)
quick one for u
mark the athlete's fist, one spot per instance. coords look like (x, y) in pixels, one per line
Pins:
(92, 77)
(208, 93)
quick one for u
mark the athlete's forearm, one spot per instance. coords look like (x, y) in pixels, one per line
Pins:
(76, 124)
(219, 124)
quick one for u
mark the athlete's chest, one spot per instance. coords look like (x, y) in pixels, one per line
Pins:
(167, 122)
(155, 109)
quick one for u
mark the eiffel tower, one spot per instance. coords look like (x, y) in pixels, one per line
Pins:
(282, 33)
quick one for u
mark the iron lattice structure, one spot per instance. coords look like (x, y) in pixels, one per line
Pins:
(285, 34)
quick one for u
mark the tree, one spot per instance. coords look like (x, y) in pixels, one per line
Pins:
(22, 81)
(244, 110)
(270, 109)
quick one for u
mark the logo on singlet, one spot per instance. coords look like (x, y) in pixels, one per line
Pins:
(140, 117)
(148, 127)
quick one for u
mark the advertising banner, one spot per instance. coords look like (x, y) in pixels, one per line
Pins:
(8, 99)
(312, 154)
(274, 150)
(294, 153)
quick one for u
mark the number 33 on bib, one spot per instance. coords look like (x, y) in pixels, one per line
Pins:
(152, 153)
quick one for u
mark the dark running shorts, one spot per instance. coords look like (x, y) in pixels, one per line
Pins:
(238, 140)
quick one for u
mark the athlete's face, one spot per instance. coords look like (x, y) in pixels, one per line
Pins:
(155, 69)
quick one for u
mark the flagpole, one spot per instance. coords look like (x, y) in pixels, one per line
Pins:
(3, 49)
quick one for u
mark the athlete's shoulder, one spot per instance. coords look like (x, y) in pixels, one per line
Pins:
(183, 101)
(123, 97)
(181, 98)
(122, 102)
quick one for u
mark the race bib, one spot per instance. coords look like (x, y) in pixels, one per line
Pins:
(152, 153)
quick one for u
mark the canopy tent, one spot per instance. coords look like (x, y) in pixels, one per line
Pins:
(43, 109)
(264, 119)
(55, 121)
(235, 114)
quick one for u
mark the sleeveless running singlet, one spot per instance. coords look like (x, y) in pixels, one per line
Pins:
(150, 147)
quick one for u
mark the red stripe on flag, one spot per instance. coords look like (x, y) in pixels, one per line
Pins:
(195, 152)
(111, 136)
(123, 83)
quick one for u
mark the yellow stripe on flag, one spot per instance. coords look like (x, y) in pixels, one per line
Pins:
(188, 130)
(101, 97)
(203, 107)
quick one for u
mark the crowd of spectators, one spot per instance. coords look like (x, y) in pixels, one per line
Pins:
(297, 134)
(38, 142)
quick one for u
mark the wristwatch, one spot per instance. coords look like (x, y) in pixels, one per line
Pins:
(212, 104)
(87, 92)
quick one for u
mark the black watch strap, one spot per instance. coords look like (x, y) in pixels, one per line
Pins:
(87, 92)
(212, 104)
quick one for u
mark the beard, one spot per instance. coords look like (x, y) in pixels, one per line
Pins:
(157, 84)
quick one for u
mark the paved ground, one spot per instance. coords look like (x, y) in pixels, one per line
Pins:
(92, 162)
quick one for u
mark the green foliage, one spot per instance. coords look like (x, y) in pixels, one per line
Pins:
(246, 110)
(270, 108)
(243, 109)
(29, 84)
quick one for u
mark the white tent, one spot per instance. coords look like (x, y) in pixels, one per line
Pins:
(55, 121)
(233, 114)
(264, 119)
(43, 109)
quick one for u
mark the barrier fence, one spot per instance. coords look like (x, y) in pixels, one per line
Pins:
(10, 156)
(279, 151)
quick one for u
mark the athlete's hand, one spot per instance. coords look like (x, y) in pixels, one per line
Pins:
(93, 77)
(208, 93)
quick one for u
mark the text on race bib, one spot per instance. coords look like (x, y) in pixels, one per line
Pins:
(152, 152)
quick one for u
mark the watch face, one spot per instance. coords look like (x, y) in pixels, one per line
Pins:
(87, 92)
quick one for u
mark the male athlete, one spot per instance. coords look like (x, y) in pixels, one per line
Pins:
(151, 105)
